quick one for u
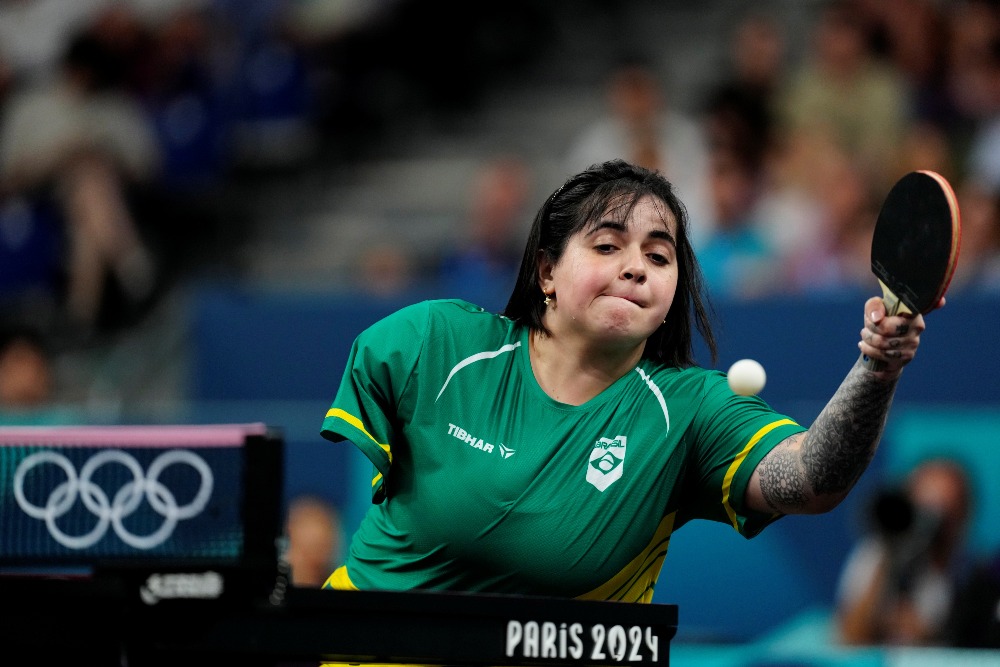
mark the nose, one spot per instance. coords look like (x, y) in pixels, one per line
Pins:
(636, 275)
(633, 269)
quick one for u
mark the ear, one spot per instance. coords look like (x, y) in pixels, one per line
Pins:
(545, 266)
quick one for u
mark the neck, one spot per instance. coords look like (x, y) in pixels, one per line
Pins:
(573, 373)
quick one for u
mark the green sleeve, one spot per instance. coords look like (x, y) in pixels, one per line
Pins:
(733, 434)
(378, 372)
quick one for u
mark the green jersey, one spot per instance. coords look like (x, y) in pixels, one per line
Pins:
(482, 482)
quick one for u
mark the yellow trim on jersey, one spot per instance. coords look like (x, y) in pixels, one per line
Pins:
(636, 581)
(340, 580)
(356, 423)
(727, 483)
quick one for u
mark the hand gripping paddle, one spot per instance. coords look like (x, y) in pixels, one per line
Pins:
(915, 244)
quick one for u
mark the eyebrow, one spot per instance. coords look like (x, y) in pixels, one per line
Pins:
(662, 234)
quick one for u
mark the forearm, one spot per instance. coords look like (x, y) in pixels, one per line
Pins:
(814, 471)
(842, 441)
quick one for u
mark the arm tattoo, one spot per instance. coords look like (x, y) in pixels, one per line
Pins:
(781, 480)
(838, 446)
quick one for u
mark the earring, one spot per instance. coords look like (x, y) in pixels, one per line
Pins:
(548, 299)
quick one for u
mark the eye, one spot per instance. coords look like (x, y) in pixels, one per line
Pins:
(658, 259)
(605, 248)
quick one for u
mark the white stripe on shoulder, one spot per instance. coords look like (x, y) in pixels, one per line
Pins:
(656, 392)
(473, 359)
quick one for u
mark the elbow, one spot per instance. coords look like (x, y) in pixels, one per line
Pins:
(826, 502)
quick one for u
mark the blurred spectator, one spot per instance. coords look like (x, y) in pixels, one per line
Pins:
(737, 259)
(839, 255)
(739, 108)
(82, 140)
(316, 21)
(314, 540)
(983, 157)
(979, 255)
(843, 94)
(912, 36)
(32, 263)
(6, 80)
(488, 253)
(740, 120)
(186, 102)
(273, 110)
(898, 584)
(973, 34)
(29, 381)
(26, 374)
(984, 153)
(926, 145)
(34, 33)
(758, 54)
(189, 97)
(385, 270)
(641, 126)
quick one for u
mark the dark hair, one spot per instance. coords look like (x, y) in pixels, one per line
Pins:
(582, 200)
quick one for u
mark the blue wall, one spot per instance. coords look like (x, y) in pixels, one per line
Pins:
(278, 357)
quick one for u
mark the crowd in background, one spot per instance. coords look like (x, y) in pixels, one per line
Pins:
(784, 163)
(126, 126)
(783, 158)
(886, 88)
(118, 130)
(129, 129)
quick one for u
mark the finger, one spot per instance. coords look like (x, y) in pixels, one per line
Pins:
(893, 358)
(874, 311)
(893, 334)
(902, 325)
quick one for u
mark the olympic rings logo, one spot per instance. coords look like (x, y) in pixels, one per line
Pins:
(126, 500)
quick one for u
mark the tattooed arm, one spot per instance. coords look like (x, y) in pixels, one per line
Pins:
(813, 471)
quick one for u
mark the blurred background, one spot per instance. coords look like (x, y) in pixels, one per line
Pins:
(202, 202)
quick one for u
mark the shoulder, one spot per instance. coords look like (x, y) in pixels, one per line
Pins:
(692, 386)
(691, 376)
(444, 309)
(434, 315)
(706, 391)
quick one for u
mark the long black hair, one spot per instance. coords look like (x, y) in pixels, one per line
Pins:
(583, 199)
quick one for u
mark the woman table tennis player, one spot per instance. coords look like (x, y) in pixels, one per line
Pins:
(554, 448)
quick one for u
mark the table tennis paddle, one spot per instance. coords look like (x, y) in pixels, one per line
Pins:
(915, 244)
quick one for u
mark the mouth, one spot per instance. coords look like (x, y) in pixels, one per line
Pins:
(627, 298)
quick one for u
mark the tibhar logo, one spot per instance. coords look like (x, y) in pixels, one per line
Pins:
(506, 451)
(469, 439)
(607, 462)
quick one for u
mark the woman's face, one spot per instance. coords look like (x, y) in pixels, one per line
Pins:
(615, 282)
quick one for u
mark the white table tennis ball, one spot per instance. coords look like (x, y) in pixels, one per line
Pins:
(746, 377)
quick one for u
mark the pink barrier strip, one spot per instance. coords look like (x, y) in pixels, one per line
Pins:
(183, 435)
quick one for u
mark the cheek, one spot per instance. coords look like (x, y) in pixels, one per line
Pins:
(666, 280)
(666, 290)
(578, 278)
(672, 286)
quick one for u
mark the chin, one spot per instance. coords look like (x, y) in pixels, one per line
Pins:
(625, 329)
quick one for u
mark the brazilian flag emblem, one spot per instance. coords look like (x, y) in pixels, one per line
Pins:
(607, 462)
